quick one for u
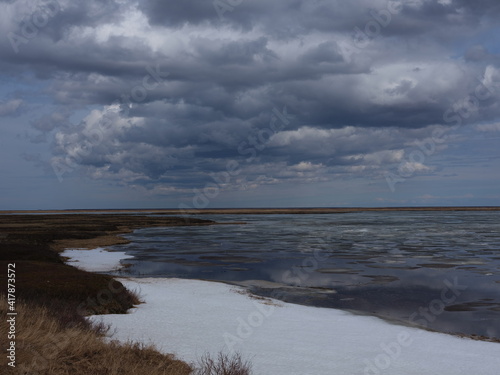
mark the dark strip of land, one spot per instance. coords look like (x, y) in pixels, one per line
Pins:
(33, 242)
(52, 298)
(256, 211)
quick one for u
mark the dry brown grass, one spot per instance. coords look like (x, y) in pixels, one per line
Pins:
(45, 347)
(52, 335)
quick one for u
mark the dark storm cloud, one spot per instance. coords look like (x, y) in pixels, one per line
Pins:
(174, 13)
(283, 19)
(233, 66)
(65, 15)
(361, 79)
(286, 18)
(480, 7)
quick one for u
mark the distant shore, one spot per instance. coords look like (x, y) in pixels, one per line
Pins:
(255, 211)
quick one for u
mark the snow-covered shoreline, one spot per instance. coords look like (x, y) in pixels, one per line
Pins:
(95, 260)
(191, 317)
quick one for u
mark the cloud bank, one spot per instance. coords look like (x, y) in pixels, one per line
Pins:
(168, 93)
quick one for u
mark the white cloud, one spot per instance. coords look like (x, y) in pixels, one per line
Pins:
(10, 107)
(305, 166)
(409, 167)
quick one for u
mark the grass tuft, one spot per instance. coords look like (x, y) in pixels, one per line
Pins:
(223, 365)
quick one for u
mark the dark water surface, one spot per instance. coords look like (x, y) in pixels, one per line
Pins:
(439, 270)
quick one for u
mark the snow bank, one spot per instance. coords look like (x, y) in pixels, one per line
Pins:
(96, 260)
(192, 317)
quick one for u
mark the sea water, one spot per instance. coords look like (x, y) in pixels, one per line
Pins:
(438, 270)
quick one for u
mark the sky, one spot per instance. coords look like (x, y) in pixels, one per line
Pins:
(249, 103)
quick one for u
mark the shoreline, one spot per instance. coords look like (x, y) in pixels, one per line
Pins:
(112, 260)
(114, 237)
(255, 211)
(45, 284)
(101, 233)
(191, 317)
(175, 312)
